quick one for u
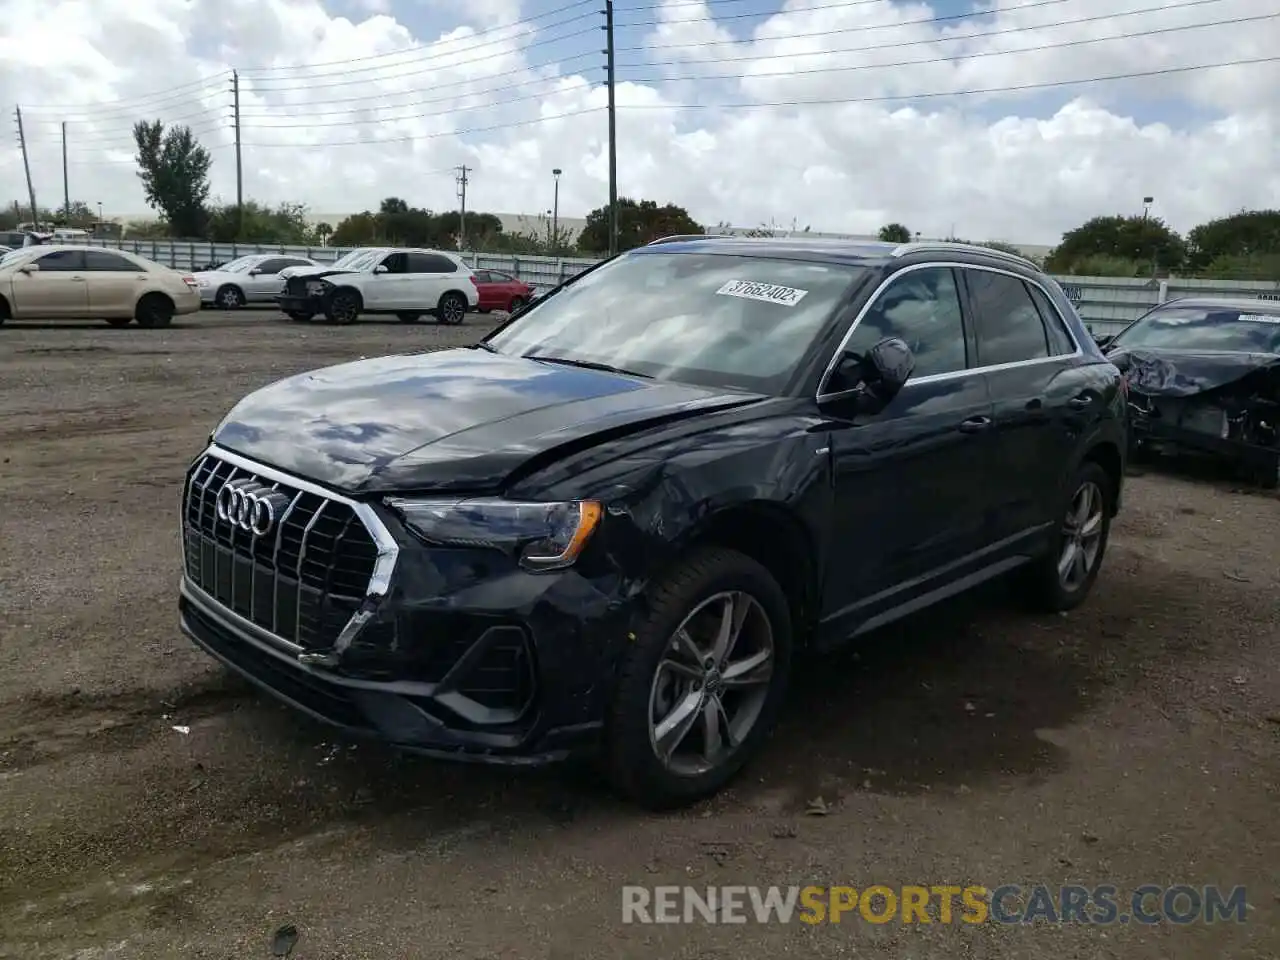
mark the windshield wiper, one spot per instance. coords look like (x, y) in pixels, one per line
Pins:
(586, 365)
(487, 347)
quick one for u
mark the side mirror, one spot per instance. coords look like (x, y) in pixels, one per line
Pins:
(29, 268)
(381, 268)
(878, 376)
(255, 272)
(1104, 340)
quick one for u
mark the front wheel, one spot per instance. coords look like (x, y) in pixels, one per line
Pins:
(230, 298)
(516, 304)
(344, 307)
(1062, 578)
(701, 681)
(452, 308)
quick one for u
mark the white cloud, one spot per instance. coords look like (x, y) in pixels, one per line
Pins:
(377, 121)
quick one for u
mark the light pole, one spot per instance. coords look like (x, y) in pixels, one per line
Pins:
(99, 211)
(555, 210)
(1146, 206)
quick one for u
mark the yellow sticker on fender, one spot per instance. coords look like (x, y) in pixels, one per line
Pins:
(765, 292)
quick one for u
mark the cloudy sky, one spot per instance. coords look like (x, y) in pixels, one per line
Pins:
(838, 115)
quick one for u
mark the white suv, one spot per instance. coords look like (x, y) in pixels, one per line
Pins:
(404, 282)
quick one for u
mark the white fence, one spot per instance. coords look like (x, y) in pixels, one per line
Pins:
(1106, 303)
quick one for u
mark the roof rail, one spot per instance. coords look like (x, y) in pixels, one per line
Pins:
(679, 237)
(926, 246)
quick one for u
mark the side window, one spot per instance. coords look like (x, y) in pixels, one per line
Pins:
(484, 276)
(274, 265)
(499, 277)
(63, 261)
(1008, 325)
(293, 262)
(431, 263)
(102, 261)
(1060, 342)
(922, 308)
(395, 262)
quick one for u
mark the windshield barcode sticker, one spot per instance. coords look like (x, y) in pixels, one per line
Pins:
(1259, 318)
(765, 292)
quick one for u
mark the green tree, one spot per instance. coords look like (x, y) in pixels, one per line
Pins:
(1148, 242)
(1249, 233)
(174, 170)
(258, 223)
(639, 222)
(323, 230)
(397, 223)
(895, 233)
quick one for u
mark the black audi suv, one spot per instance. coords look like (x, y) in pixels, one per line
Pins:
(609, 527)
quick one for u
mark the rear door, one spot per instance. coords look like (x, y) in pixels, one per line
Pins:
(1036, 386)
(264, 281)
(57, 289)
(433, 274)
(114, 283)
(911, 481)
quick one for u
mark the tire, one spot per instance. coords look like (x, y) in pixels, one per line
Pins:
(693, 595)
(344, 307)
(229, 297)
(1047, 589)
(4, 310)
(408, 317)
(452, 308)
(120, 321)
(154, 310)
(515, 304)
(299, 316)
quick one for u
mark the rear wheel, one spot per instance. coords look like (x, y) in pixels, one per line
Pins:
(700, 682)
(344, 307)
(516, 304)
(154, 310)
(120, 321)
(452, 308)
(229, 298)
(1062, 578)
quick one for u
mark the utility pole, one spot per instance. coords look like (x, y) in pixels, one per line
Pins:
(66, 187)
(613, 131)
(26, 166)
(462, 210)
(555, 213)
(235, 96)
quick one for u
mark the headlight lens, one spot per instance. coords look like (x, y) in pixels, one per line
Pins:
(542, 536)
(317, 287)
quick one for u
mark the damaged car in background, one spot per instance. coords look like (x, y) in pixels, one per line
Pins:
(1204, 378)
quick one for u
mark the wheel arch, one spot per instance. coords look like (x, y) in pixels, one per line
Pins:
(1106, 454)
(6, 309)
(775, 538)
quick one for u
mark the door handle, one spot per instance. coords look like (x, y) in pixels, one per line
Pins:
(975, 424)
(1080, 402)
(76, 279)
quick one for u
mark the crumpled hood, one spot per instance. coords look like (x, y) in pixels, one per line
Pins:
(313, 273)
(1184, 373)
(460, 419)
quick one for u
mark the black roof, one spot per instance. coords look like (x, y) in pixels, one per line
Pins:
(1243, 304)
(831, 250)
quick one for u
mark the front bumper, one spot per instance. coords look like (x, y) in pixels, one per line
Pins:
(454, 653)
(301, 303)
(1158, 432)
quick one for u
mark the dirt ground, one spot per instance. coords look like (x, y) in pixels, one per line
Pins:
(1133, 741)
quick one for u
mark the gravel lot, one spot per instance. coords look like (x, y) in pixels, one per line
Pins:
(1134, 741)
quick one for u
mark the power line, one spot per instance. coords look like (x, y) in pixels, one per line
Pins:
(172, 92)
(443, 133)
(421, 48)
(858, 28)
(961, 56)
(787, 12)
(1004, 31)
(895, 98)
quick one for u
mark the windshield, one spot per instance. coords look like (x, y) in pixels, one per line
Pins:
(1207, 328)
(354, 259)
(13, 255)
(238, 265)
(710, 319)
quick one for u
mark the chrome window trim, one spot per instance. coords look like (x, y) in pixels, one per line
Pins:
(821, 397)
(388, 550)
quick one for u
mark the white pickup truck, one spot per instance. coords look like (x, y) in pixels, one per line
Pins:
(383, 280)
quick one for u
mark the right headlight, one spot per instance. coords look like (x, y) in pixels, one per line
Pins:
(541, 536)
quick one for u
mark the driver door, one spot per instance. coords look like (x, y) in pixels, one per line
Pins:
(388, 290)
(911, 499)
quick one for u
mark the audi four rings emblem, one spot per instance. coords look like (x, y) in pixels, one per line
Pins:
(247, 504)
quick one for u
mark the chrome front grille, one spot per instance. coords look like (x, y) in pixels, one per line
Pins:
(306, 576)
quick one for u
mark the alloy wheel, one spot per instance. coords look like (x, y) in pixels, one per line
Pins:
(452, 310)
(1081, 536)
(711, 684)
